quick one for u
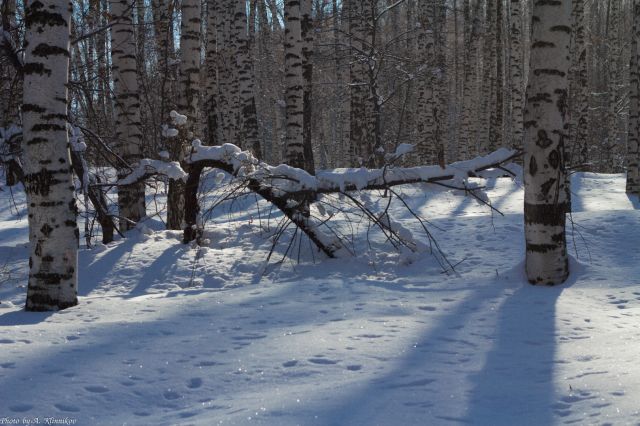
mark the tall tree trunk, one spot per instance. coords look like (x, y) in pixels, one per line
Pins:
(294, 98)
(246, 79)
(163, 29)
(546, 124)
(128, 143)
(497, 119)
(468, 143)
(362, 120)
(633, 174)
(307, 77)
(489, 82)
(53, 231)
(426, 112)
(188, 98)
(8, 81)
(579, 145)
(211, 91)
(517, 77)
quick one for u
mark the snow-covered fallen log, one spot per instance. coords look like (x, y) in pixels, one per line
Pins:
(291, 190)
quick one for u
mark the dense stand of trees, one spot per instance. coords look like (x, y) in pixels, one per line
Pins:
(325, 84)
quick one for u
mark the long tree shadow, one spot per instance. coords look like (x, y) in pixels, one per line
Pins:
(516, 384)
(438, 361)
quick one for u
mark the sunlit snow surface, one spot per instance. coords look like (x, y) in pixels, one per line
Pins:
(168, 334)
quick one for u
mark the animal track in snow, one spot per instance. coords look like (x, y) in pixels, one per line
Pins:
(194, 383)
(96, 389)
(20, 408)
(322, 361)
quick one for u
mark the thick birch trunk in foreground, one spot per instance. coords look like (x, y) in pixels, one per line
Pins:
(633, 175)
(546, 129)
(128, 144)
(53, 232)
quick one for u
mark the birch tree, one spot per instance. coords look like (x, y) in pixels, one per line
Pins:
(633, 175)
(306, 27)
(188, 100)
(546, 124)
(579, 148)
(128, 143)
(246, 80)
(517, 76)
(294, 96)
(53, 231)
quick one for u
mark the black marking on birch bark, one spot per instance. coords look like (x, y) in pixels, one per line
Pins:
(545, 214)
(35, 68)
(543, 140)
(542, 44)
(33, 108)
(546, 187)
(47, 127)
(46, 50)
(548, 3)
(533, 166)
(541, 248)
(51, 204)
(39, 302)
(549, 71)
(35, 14)
(46, 230)
(561, 28)
(554, 159)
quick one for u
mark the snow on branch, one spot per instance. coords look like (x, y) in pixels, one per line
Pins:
(292, 180)
(148, 167)
(292, 190)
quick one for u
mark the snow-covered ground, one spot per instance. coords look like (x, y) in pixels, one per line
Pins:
(171, 334)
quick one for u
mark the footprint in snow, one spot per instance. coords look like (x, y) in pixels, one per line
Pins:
(67, 408)
(171, 395)
(322, 361)
(194, 383)
(427, 308)
(291, 363)
(354, 367)
(20, 408)
(96, 389)
(207, 364)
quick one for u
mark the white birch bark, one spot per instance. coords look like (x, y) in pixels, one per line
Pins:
(53, 231)
(246, 80)
(487, 110)
(306, 25)
(633, 174)
(361, 75)
(294, 150)
(189, 69)
(467, 147)
(128, 137)
(579, 147)
(211, 90)
(546, 124)
(188, 99)
(517, 75)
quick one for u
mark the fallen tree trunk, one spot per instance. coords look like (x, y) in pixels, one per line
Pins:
(284, 186)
